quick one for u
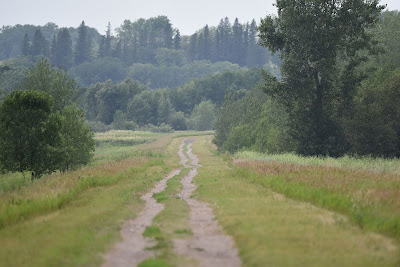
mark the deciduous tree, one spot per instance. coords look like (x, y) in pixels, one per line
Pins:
(311, 36)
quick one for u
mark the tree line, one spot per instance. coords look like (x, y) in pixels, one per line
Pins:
(137, 42)
(131, 105)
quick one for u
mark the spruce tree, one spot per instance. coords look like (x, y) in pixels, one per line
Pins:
(237, 43)
(207, 43)
(83, 45)
(117, 53)
(252, 45)
(168, 34)
(193, 47)
(63, 54)
(39, 44)
(53, 50)
(107, 41)
(25, 46)
(177, 40)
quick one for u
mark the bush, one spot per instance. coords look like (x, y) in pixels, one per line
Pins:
(98, 126)
(121, 122)
(162, 128)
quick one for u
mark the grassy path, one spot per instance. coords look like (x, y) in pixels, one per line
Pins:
(270, 229)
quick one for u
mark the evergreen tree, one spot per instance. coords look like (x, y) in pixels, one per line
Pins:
(252, 59)
(224, 30)
(237, 43)
(83, 45)
(102, 52)
(193, 47)
(63, 54)
(107, 41)
(201, 46)
(117, 53)
(53, 50)
(246, 42)
(168, 34)
(39, 44)
(207, 43)
(177, 40)
(25, 45)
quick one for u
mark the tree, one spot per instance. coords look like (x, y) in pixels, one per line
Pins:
(237, 43)
(39, 44)
(29, 133)
(25, 46)
(63, 52)
(177, 40)
(375, 126)
(77, 144)
(311, 35)
(53, 50)
(55, 82)
(193, 48)
(107, 42)
(203, 116)
(83, 45)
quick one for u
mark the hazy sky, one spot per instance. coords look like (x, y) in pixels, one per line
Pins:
(188, 16)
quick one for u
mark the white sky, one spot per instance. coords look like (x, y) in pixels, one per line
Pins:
(188, 16)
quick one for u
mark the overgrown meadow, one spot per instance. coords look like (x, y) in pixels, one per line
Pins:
(367, 190)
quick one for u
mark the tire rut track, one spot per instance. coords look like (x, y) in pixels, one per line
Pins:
(208, 245)
(132, 249)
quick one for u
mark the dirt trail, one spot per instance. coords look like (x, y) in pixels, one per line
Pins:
(208, 245)
(132, 249)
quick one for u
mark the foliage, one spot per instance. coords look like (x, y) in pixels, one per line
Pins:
(203, 116)
(171, 76)
(77, 140)
(375, 128)
(313, 36)
(51, 136)
(102, 100)
(251, 121)
(29, 133)
(83, 45)
(212, 87)
(387, 32)
(10, 78)
(55, 82)
(121, 122)
(99, 70)
(162, 128)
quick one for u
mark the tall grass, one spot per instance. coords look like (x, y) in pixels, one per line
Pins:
(273, 230)
(347, 162)
(367, 190)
